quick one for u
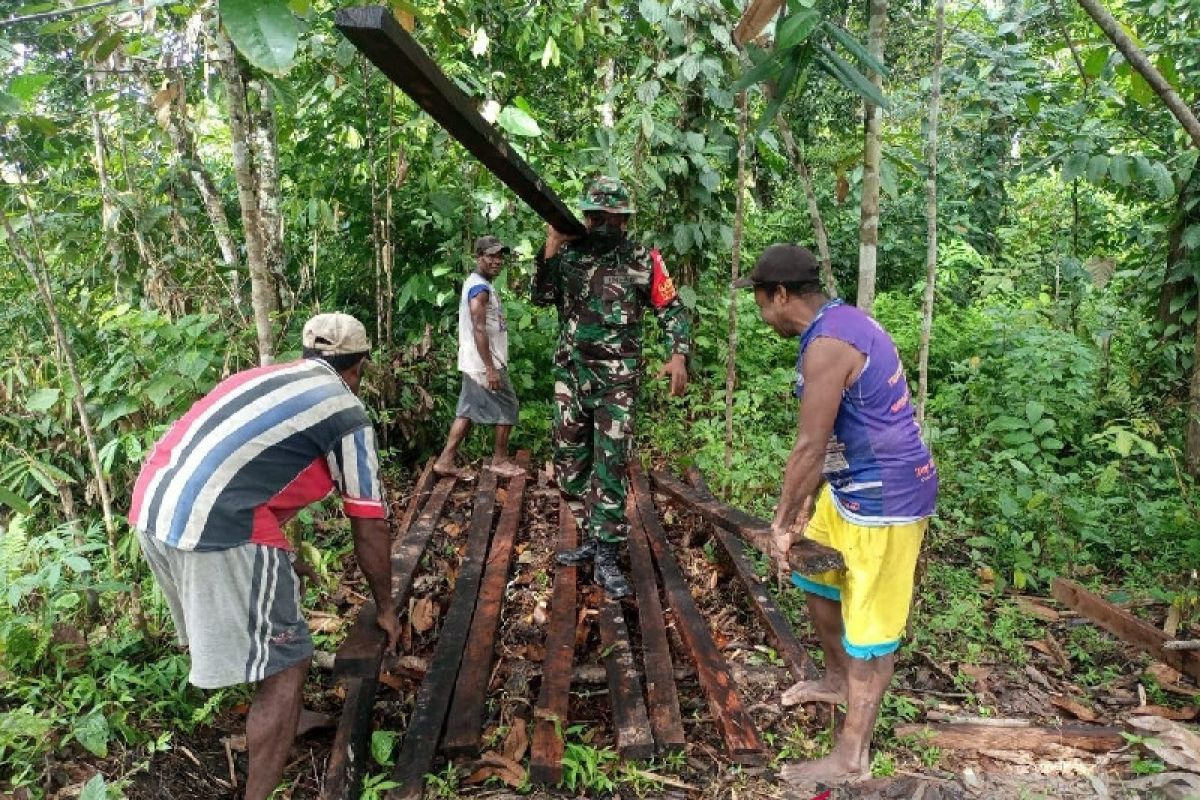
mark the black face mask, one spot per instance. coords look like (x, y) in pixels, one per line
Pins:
(605, 236)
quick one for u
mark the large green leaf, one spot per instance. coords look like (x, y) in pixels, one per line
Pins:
(17, 503)
(1118, 168)
(515, 121)
(787, 79)
(1097, 167)
(855, 48)
(848, 76)
(95, 789)
(796, 28)
(265, 31)
(42, 399)
(764, 70)
(92, 733)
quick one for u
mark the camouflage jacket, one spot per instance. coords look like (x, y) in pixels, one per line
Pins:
(602, 296)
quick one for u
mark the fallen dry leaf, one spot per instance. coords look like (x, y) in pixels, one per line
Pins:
(516, 742)
(1032, 609)
(320, 622)
(1166, 712)
(1175, 744)
(422, 614)
(492, 764)
(1074, 708)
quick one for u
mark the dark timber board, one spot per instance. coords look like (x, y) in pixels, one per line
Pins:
(1125, 626)
(780, 630)
(553, 703)
(362, 652)
(464, 726)
(630, 723)
(344, 773)
(433, 698)
(662, 698)
(741, 737)
(375, 32)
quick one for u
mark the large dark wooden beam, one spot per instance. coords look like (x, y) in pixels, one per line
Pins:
(374, 31)
(806, 556)
(464, 726)
(362, 652)
(344, 772)
(741, 737)
(631, 725)
(433, 698)
(783, 636)
(553, 703)
(1125, 626)
(662, 698)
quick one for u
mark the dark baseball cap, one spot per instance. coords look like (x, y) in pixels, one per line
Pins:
(782, 263)
(490, 245)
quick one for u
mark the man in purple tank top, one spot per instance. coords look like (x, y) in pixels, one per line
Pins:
(857, 433)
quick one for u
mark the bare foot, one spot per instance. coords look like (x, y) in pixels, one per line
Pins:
(313, 721)
(506, 469)
(832, 769)
(821, 691)
(449, 471)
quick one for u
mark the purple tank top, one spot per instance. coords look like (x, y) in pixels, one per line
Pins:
(876, 463)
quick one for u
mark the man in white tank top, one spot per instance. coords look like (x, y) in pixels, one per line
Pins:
(487, 396)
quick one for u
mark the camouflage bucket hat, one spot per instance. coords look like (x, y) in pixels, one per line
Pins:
(607, 194)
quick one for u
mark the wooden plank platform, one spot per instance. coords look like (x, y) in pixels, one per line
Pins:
(464, 726)
(662, 697)
(433, 698)
(806, 556)
(741, 737)
(783, 636)
(553, 703)
(631, 725)
(1125, 626)
(362, 651)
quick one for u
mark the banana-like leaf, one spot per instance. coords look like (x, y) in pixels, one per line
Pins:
(796, 29)
(855, 47)
(766, 70)
(846, 74)
(794, 67)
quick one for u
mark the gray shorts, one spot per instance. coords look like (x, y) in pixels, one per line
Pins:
(481, 405)
(237, 610)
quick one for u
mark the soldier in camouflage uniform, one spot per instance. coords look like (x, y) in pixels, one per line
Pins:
(601, 285)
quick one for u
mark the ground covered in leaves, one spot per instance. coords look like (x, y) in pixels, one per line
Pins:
(1012, 660)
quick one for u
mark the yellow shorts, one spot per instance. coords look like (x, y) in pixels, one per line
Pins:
(876, 588)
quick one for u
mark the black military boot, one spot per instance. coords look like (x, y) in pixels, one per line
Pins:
(607, 574)
(579, 556)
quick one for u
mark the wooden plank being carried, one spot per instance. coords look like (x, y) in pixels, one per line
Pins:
(741, 737)
(553, 703)
(344, 772)
(662, 698)
(1125, 626)
(362, 651)
(783, 636)
(433, 698)
(375, 32)
(464, 726)
(630, 722)
(806, 556)
(1093, 738)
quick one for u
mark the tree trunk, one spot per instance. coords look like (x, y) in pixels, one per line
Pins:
(931, 247)
(1187, 213)
(735, 270)
(369, 115)
(814, 211)
(1137, 59)
(110, 215)
(1192, 444)
(262, 281)
(868, 248)
(266, 162)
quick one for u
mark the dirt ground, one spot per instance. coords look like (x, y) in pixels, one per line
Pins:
(211, 763)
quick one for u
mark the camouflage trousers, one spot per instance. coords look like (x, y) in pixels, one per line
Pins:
(593, 430)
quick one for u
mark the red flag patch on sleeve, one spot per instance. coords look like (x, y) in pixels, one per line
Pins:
(662, 288)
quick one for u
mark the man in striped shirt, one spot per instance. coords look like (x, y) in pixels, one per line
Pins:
(210, 505)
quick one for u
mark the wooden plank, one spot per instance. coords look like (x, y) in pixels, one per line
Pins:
(631, 724)
(347, 759)
(464, 726)
(433, 698)
(1041, 741)
(375, 32)
(783, 636)
(362, 651)
(806, 556)
(754, 19)
(416, 499)
(1125, 626)
(741, 737)
(662, 698)
(553, 703)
